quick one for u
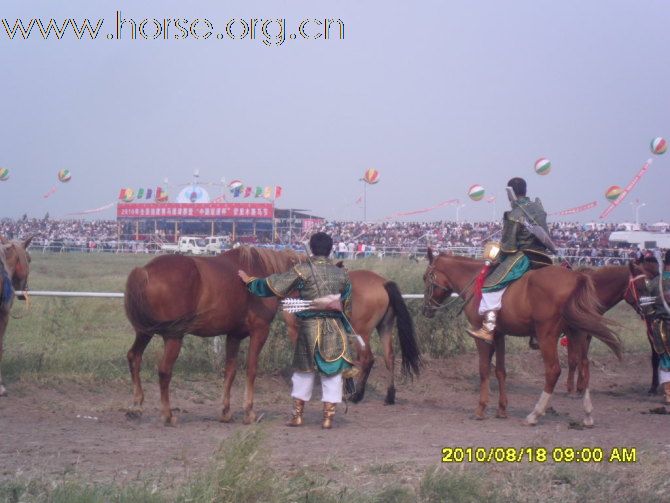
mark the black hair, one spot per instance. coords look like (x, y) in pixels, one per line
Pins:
(321, 244)
(518, 186)
(667, 257)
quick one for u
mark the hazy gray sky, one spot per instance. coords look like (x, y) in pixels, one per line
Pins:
(436, 95)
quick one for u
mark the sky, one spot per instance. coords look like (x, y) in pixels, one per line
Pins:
(435, 95)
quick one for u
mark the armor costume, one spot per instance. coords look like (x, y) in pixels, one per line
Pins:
(660, 330)
(522, 248)
(323, 335)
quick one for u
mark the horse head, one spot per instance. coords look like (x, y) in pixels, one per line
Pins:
(640, 274)
(436, 286)
(17, 262)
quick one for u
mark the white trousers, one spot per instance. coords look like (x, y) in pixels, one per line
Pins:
(491, 301)
(303, 384)
(663, 376)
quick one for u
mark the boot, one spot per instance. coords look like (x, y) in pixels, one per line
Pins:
(328, 415)
(666, 388)
(298, 409)
(485, 333)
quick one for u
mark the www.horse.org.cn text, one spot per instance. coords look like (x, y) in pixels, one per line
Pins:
(270, 31)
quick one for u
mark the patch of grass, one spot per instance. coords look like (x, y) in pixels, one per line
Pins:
(239, 473)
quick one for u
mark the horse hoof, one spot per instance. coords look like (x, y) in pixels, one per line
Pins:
(588, 423)
(3, 391)
(226, 418)
(249, 418)
(133, 413)
(530, 421)
(501, 415)
(390, 397)
(357, 397)
(170, 421)
(652, 391)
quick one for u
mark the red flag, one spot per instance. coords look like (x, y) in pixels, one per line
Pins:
(122, 194)
(247, 191)
(277, 191)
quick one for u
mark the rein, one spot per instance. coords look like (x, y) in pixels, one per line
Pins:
(435, 305)
(634, 293)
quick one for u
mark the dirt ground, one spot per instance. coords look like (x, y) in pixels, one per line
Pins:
(51, 430)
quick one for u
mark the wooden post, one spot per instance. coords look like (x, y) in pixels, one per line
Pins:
(212, 233)
(137, 230)
(233, 230)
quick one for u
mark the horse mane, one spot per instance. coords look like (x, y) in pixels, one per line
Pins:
(267, 260)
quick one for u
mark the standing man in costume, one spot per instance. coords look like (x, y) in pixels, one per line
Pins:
(659, 312)
(525, 245)
(323, 329)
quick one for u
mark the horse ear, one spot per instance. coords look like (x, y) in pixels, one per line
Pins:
(430, 255)
(26, 242)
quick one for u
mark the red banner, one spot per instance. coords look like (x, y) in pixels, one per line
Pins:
(576, 209)
(628, 188)
(201, 211)
(450, 202)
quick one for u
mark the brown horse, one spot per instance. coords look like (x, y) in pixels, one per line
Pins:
(377, 304)
(15, 267)
(174, 295)
(544, 302)
(612, 284)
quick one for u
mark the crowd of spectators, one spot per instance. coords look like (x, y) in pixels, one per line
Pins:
(577, 242)
(587, 244)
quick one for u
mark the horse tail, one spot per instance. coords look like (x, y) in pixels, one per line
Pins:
(583, 313)
(138, 309)
(411, 356)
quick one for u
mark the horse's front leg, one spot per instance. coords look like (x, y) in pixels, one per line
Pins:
(170, 353)
(501, 375)
(256, 343)
(655, 361)
(4, 318)
(485, 352)
(232, 348)
(135, 364)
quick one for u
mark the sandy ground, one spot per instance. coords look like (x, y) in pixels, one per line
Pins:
(51, 430)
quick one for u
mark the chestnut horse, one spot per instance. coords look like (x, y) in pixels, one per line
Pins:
(544, 302)
(174, 295)
(613, 284)
(14, 270)
(377, 303)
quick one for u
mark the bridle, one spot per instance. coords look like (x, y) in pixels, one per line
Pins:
(431, 280)
(637, 304)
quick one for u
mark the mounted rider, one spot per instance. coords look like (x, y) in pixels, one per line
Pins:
(525, 245)
(659, 312)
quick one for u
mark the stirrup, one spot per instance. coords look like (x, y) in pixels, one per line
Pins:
(482, 334)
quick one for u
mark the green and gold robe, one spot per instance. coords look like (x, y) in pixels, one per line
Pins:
(323, 336)
(660, 324)
(520, 250)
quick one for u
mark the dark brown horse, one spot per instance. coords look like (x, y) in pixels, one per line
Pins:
(176, 295)
(544, 302)
(612, 284)
(378, 304)
(15, 264)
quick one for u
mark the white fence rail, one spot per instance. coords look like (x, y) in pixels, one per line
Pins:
(119, 295)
